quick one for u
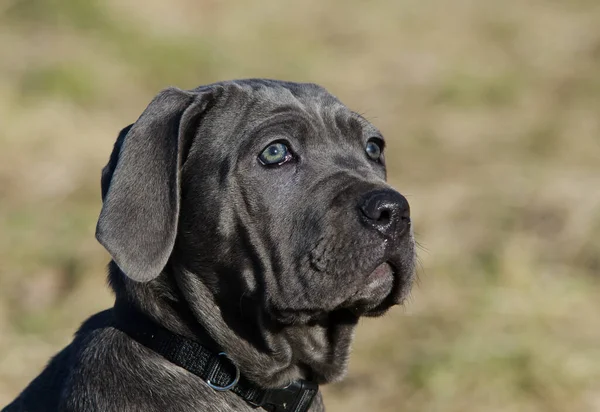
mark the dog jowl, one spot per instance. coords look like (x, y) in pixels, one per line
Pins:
(252, 218)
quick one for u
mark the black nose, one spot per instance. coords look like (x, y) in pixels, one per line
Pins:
(386, 211)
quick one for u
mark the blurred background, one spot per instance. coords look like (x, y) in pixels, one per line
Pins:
(491, 110)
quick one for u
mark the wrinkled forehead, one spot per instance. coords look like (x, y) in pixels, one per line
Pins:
(258, 101)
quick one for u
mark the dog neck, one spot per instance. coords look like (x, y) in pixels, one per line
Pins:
(268, 353)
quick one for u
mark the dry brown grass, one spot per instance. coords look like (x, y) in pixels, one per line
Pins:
(492, 113)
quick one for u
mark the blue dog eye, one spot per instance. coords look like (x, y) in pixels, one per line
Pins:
(275, 154)
(374, 149)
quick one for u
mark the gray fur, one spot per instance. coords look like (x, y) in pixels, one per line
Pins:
(274, 264)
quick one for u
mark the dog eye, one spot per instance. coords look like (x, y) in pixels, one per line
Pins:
(275, 154)
(374, 148)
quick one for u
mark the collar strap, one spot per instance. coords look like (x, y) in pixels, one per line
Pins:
(216, 369)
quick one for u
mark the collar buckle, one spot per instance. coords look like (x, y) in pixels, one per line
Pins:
(230, 385)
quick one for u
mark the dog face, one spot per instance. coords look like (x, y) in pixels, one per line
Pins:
(267, 189)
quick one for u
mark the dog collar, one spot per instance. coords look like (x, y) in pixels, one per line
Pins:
(216, 369)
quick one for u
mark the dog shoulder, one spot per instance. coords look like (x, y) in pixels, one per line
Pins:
(44, 393)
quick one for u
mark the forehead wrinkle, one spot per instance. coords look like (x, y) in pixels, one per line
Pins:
(279, 97)
(282, 121)
(271, 102)
(310, 102)
(251, 114)
(366, 125)
(348, 129)
(285, 108)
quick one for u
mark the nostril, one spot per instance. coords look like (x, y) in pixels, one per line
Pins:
(384, 217)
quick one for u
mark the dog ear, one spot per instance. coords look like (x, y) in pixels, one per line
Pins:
(141, 184)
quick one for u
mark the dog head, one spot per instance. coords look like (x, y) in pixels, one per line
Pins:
(262, 189)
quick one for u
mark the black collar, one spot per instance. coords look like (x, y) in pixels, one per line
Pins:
(216, 369)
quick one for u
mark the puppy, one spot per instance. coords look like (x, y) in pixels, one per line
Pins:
(250, 225)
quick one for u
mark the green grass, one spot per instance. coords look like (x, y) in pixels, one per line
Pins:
(490, 110)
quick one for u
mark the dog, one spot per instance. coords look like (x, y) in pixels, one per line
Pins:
(250, 226)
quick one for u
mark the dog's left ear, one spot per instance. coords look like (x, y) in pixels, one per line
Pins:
(141, 184)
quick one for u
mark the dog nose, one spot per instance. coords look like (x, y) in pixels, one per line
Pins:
(386, 211)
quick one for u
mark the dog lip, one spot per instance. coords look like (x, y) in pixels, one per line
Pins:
(381, 275)
(385, 269)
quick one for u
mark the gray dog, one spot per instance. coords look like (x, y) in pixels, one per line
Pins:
(250, 226)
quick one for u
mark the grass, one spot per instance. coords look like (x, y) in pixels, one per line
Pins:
(490, 110)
